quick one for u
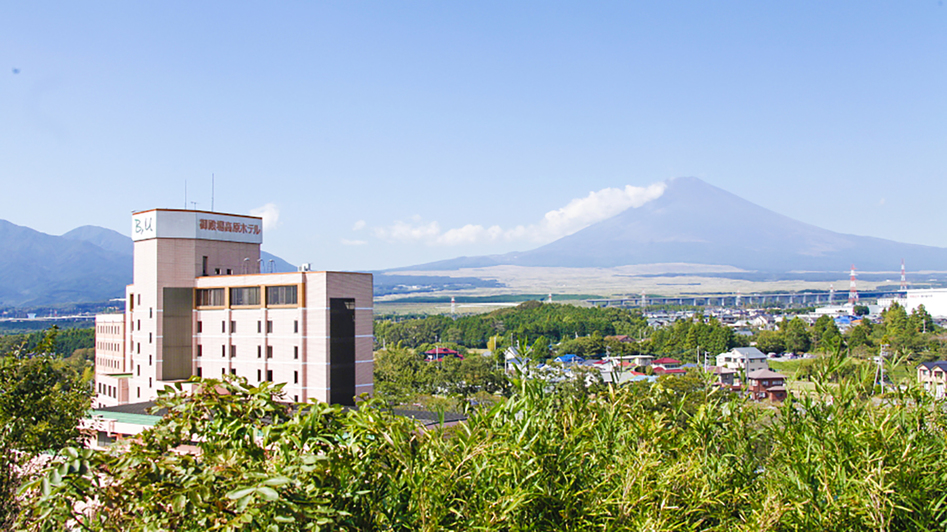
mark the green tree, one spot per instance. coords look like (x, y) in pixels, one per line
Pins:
(42, 399)
(825, 333)
(770, 342)
(796, 335)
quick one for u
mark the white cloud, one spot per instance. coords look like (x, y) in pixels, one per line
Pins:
(577, 214)
(270, 215)
(358, 225)
(347, 242)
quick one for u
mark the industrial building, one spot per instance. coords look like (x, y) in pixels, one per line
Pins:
(199, 306)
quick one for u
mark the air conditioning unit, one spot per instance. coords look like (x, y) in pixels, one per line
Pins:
(305, 267)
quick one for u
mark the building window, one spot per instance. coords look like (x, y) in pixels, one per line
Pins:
(258, 375)
(139, 325)
(200, 326)
(199, 372)
(149, 360)
(223, 350)
(245, 296)
(200, 350)
(295, 398)
(296, 326)
(149, 338)
(223, 326)
(139, 392)
(139, 299)
(210, 297)
(223, 371)
(259, 326)
(269, 326)
(149, 382)
(295, 377)
(281, 295)
(204, 265)
(229, 271)
(233, 351)
(233, 371)
(296, 351)
(259, 351)
(139, 370)
(150, 315)
(269, 351)
(131, 301)
(139, 348)
(269, 375)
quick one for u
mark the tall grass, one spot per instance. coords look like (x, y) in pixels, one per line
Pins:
(642, 457)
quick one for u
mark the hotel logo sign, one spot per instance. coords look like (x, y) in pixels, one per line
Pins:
(196, 225)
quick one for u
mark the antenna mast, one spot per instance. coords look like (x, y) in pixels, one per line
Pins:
(852, 291)
(904, 281)
(211, 192)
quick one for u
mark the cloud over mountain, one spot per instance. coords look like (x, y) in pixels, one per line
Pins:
(574, 216)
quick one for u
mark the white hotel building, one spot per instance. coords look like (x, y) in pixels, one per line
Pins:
(194, 309)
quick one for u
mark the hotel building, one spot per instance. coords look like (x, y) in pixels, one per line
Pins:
(197, 306)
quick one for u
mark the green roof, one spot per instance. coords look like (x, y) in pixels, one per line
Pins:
(122, 417)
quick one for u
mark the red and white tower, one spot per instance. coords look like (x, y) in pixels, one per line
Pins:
(852, 291)
(904, 281)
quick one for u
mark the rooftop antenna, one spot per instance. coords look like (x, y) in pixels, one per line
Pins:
(185, 194)
(193, 205)
(904, 281)
(211, 192)
(852, 291)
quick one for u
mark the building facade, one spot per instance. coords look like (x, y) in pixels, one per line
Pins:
(198, 306)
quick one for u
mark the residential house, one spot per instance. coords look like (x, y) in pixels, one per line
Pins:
(933, 376)
(766, 384)
(440, 352)
(666, 363)
(724, 376)
(748, 359)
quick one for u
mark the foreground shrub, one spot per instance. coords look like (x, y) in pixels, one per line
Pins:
(642, 457)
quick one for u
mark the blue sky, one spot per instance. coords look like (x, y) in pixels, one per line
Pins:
(393, 133)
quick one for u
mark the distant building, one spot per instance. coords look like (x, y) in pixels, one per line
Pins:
(198, 306)
(748, 359)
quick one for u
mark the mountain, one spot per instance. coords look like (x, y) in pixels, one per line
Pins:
(106, 239)
(40, 269)
(697, 223)
(87, 264)
(279, 265)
